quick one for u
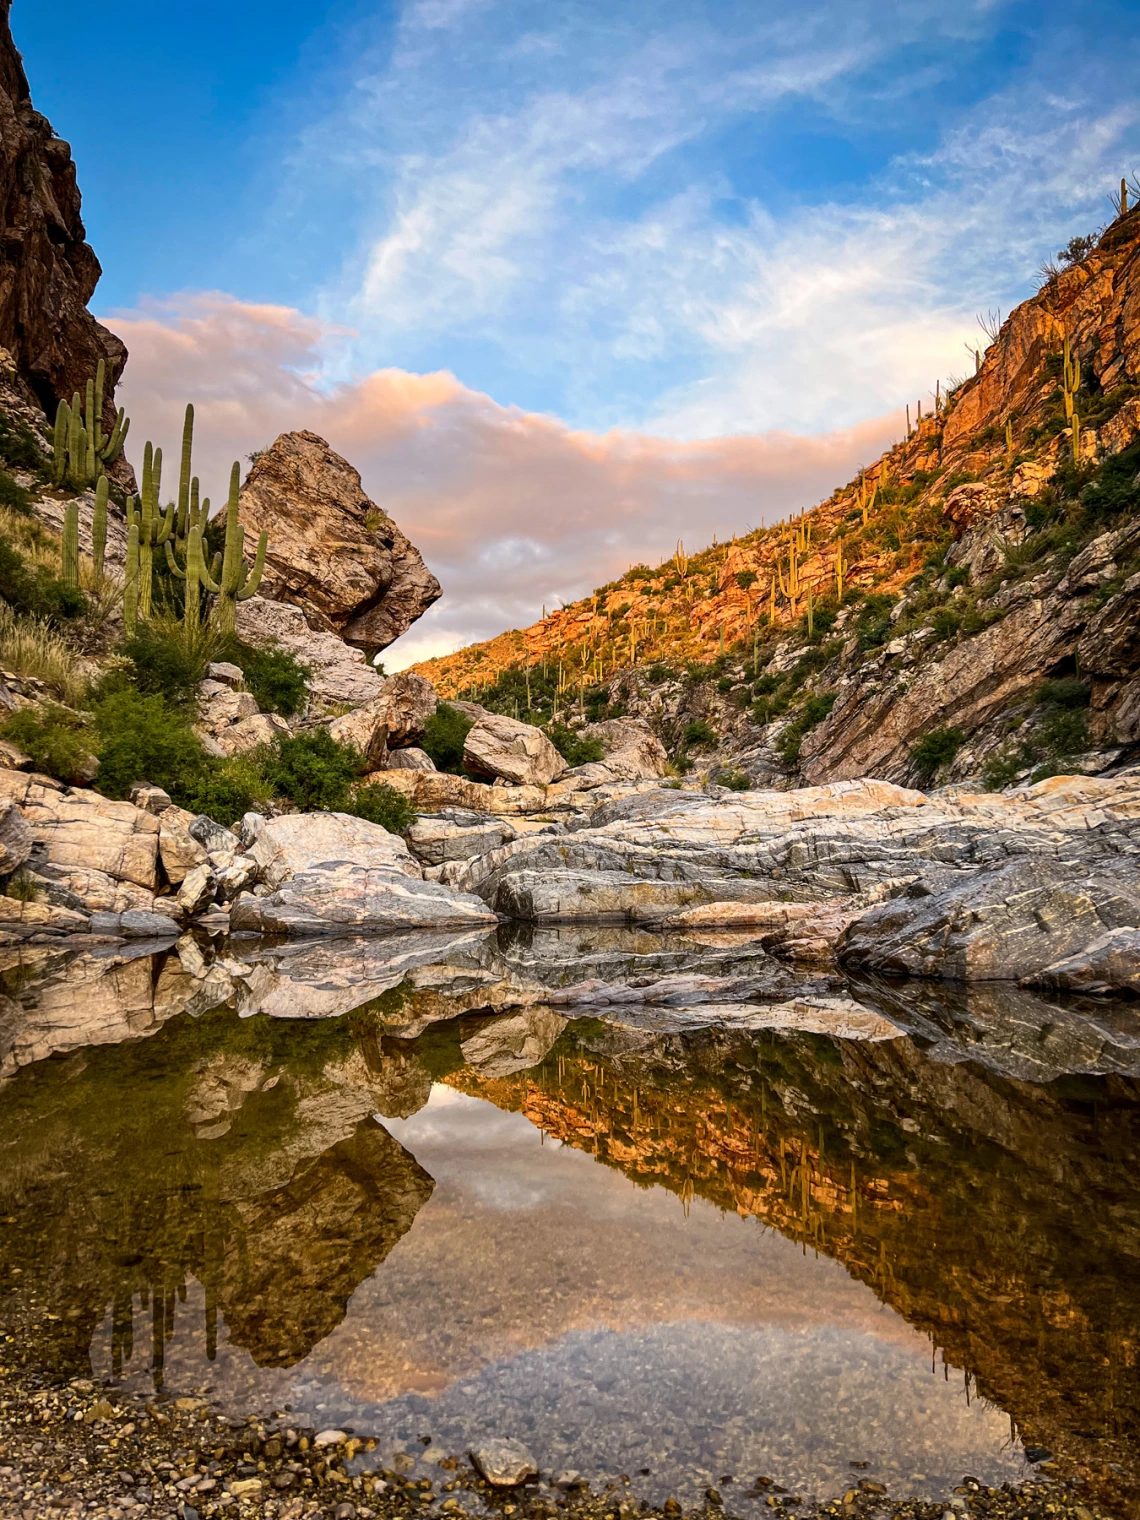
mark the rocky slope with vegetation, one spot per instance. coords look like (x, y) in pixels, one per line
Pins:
(966, 607)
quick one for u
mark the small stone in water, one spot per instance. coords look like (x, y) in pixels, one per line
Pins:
(1038, 1454)
(329, 1438)
(504, 1463)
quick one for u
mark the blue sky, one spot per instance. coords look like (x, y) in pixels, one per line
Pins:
(678, 218)
(587, 208)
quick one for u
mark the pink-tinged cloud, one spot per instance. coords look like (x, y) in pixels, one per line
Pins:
(511, 509)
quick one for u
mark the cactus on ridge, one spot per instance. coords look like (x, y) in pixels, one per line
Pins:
(236, 582)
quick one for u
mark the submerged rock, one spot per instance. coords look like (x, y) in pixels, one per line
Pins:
(504, 1463)
(1109, 965)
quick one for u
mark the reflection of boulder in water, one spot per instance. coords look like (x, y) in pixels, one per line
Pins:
(306, 1247)
(512, 1041)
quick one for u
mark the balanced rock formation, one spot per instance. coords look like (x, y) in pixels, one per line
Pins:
(333, 552)
(48, 271)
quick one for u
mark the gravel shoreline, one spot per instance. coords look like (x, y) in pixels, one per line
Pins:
(71, 1447)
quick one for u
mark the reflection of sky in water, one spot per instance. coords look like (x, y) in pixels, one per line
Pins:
(542, 1295)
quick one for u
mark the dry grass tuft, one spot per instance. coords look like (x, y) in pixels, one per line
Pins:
(30, 646)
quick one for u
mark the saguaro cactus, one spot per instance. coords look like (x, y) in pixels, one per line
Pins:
(69, 553)
(237, 582)
(81, 448)
(1070, 385)
(131, 584)
(154, 528)
(99, 527)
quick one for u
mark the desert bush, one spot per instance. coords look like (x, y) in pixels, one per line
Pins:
(225, 789)
(698, 734)
(383, 805)
(314, 771)
(59, 740)
(573, 748)
(276, 677)
(444, 736)
(936, 749)
(736, 781)
(145, 738)
(32, 588)
(32, 646)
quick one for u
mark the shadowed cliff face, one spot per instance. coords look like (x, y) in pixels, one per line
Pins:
(48, 271)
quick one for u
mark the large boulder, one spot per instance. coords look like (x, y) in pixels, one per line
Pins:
(286, 846)
(513, 751)
(16, 837)
(79, 830)
(339, 897)
(332, 551)
(631, 750)
(1108, 966)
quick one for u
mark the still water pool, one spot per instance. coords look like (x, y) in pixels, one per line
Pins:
(690, 1254)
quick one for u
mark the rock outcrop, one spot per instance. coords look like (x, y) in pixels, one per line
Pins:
(48, 271)
(332, 552)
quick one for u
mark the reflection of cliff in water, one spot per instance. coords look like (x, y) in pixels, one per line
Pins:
(242, 1155)
(1001, 1218)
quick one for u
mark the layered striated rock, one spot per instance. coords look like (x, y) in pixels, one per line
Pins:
(332, 551)
(48, 271)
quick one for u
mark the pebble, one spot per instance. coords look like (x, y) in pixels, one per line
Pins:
(505, 1463)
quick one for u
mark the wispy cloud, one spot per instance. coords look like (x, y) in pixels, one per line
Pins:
(511, 509)
(593, 209)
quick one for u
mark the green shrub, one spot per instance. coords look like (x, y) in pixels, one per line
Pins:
(873, 625)
(745, 578)
(658, 673)
(573, 748)
(226, 789)
(32, 588)
(314, 771)
(275, 677)
(945, 622)
(959, 575)
(57, 739)
(815, 709)
(1002, 770)
(1115, 488)
(383, 805)
(698, 734)
(725, 685)
(18, 446)
(1065, 732)
(736, 781)
(444, 736)
(1065, 692)
(936, 749)
(165, 665)
(145, 738)
(12, 495)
